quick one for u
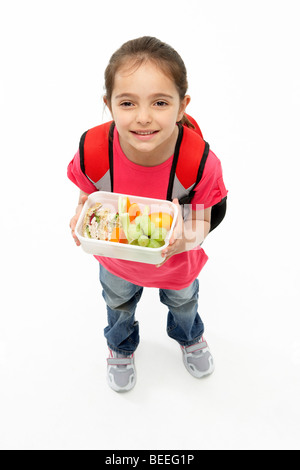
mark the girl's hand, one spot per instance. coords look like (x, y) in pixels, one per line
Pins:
(73, 221)
(177, 242)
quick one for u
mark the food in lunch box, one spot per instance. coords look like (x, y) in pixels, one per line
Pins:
(139, 228)
(162, 220)
(129, 225)
(100, 223)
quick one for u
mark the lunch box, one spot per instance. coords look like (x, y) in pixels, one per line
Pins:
(120, 250)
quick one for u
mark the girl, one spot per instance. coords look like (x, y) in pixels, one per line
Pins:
(146, 86)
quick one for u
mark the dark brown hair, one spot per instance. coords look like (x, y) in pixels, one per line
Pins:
(149, 48)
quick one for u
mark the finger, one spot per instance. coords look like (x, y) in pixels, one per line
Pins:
(171, 241)
(170, 249)
(175, 235)
(165, 252)
(83, 199)
(73, 221)
(164, 256)
(178, 226)
(161, 264)
(75, 239)
(167, 257)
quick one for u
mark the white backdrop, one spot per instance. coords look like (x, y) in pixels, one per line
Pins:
(243, 65)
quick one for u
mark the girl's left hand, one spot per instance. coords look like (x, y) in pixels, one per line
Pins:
(177, 242)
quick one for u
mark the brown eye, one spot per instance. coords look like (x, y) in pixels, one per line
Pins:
(126, 104)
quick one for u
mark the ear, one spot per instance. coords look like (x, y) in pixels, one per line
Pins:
(184, 103)
(107, 103)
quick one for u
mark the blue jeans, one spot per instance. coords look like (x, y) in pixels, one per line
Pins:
(122, 333)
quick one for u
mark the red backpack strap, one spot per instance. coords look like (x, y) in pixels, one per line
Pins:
(190, 156)
(94, 150)
(188, 165)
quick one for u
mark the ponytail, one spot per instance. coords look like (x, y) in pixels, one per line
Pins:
(186, 122)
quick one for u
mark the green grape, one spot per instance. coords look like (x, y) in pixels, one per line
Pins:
(159, 234)
(144, 240)
(154, 244)
(146, 225)
(134, 243)
(134, 232)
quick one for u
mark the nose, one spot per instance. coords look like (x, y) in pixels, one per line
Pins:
(143, 116)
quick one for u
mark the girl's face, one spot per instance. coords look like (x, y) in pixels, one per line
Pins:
(145, 106)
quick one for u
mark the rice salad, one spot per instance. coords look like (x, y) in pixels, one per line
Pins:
(99, 223)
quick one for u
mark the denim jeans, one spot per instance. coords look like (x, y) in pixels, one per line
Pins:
(122, 333)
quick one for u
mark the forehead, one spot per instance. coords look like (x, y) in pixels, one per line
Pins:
(147, 78)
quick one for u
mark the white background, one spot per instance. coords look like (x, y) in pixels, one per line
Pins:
(243, 65)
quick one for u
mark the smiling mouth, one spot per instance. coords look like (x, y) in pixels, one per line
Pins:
(144, 133)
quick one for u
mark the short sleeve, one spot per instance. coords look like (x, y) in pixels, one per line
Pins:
(211, 188)
(77, 177)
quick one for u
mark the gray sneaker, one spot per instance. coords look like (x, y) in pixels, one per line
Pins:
(121, 373)
(198, 359)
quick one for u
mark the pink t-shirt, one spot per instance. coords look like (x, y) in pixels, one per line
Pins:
(129, 178)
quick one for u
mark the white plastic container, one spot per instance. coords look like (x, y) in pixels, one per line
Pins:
(119, 250)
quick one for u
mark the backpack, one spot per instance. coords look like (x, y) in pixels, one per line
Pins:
(183, 178)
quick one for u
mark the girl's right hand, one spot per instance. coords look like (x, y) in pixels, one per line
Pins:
(74, 219)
